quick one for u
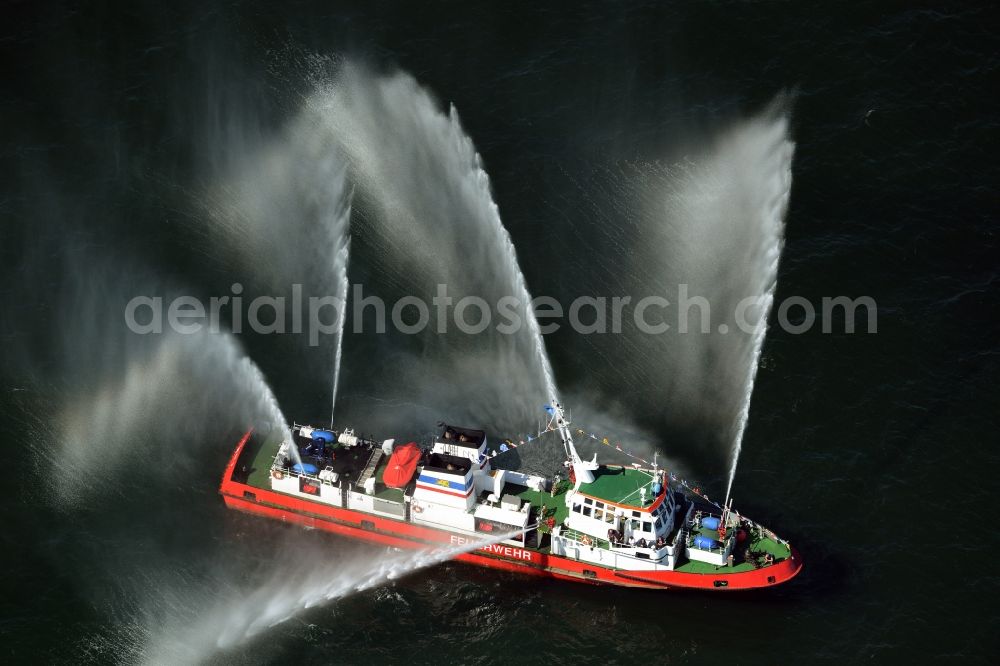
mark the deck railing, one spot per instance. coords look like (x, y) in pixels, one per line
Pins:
(574, 535)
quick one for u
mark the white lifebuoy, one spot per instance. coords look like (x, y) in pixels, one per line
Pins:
(418, 509)
(278, 474)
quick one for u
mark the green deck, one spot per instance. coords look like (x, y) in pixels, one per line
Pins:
(619, 485)
(555, 507)
(692, 566)
(766, 545)
(260, 470)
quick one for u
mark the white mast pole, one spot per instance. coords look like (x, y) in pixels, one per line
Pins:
(584, 471)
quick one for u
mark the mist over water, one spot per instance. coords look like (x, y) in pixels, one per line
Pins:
(181, 385)
(104, 405)
(735, 201)
(279, 211)
(705, 232)
(278, 215)
(307, 577)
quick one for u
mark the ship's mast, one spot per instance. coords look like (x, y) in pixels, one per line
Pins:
(582, 469)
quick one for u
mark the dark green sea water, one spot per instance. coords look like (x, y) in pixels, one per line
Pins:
(875, 454)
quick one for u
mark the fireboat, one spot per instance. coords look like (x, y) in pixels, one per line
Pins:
(631, 526)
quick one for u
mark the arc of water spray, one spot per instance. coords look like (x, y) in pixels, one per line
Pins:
(521, 285)
(341, 266)
(774, 216)
(744, 415)
(429, 194)
(263, 390)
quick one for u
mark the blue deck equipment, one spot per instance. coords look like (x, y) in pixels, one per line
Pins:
(306, 468)
(704, 542)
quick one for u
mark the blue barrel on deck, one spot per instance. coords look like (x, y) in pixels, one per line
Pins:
(325, 435)
(710, 523)
(704, 542)
(306, 468)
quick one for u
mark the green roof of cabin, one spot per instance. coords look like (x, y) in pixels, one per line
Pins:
(619, 485)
